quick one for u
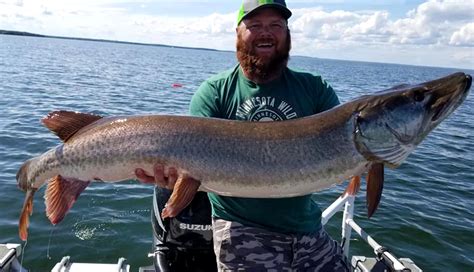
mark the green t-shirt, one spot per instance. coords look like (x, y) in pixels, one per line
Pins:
(230, 95)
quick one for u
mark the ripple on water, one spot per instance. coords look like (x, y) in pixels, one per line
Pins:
(84, 232)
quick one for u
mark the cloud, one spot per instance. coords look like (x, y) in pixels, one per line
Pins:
(436, 33)
(216, 24)
(464, 36)
(432, 22)
(439, 11)
(318, 24)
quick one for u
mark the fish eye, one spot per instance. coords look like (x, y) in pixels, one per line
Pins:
(418, 96)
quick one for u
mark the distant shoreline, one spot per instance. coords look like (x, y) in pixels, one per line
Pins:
(28, 34)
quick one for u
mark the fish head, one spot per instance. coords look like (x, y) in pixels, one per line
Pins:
(390, 124)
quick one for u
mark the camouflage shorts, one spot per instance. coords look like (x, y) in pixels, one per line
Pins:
(241, 248)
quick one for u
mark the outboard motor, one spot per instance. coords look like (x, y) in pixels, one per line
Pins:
(183, 243)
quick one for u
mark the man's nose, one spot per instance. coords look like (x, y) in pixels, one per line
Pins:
(266, 31)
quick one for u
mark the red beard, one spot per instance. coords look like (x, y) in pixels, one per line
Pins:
(262, 67)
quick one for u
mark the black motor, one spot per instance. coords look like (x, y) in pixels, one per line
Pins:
(183, 243)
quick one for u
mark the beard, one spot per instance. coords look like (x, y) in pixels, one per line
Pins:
(264, 67)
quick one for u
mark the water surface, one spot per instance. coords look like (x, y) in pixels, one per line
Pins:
(426, 210)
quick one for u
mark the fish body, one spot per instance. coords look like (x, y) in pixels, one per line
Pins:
(258, 163)
(238, 158)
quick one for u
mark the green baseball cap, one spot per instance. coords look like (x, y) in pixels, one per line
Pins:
(250, 6)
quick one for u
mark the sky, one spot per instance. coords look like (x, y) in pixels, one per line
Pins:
(428, 33)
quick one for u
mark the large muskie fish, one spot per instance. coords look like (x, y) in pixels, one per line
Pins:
(238, 158)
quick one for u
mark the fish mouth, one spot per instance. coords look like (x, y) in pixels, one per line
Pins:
(468, 83)
(448, 101)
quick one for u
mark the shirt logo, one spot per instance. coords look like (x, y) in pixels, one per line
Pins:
(265, 108)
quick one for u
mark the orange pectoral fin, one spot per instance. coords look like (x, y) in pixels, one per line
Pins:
(61, 195)
(353, 186)
(375, 180)
(183, 193)
(26, 212)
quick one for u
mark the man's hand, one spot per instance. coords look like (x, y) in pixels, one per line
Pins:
(160, 177)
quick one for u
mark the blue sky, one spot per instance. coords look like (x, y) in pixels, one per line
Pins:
(419, 32)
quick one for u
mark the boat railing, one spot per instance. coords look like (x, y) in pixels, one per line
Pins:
(383, 257)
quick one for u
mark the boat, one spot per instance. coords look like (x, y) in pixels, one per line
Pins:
(189, 241)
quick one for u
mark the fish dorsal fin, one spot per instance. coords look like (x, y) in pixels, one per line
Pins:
(375, 179)
(66, 123)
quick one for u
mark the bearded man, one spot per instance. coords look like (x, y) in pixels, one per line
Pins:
(264, 234)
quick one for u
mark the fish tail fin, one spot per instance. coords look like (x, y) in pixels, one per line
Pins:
(353, 186)
(183, 193)
(26, 212)
(61, 195)
(375, 180)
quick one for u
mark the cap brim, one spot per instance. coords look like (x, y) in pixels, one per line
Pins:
(282, 9)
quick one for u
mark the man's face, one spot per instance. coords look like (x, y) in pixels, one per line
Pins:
(263, 42)
(264, 33)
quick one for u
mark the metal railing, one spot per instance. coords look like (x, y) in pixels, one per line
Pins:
(345, 203)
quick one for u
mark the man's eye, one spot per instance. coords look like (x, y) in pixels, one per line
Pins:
(254, 27)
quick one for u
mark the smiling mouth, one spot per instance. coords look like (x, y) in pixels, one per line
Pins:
(264, 45)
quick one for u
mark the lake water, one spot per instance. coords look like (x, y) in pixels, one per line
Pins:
(426, 212)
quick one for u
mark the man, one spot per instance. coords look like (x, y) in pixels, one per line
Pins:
(264, 234)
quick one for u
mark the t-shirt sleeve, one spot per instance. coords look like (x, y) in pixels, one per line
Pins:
(205, 101)
(327, 96)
